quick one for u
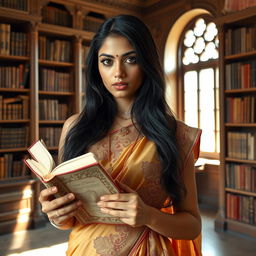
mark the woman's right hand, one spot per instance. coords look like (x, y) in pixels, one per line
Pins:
(60, 211)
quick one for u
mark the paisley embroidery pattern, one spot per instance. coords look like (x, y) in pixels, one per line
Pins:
(118, 142)
(149, 191)
(112, 244)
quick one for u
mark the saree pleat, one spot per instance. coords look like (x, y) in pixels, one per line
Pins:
(137, 165)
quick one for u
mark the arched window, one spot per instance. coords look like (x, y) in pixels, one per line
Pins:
(198, 58)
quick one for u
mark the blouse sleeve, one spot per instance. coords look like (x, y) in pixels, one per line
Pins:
(188, 141)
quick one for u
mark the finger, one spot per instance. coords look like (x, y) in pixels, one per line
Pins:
(114, 205)
(123, 197)
(46, 193)
(62, 219)
(125, 187)
(116, 213)
(58, 213)
(57, 203)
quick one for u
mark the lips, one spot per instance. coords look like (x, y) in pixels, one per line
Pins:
(120, 86)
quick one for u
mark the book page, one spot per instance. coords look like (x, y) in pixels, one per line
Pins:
(75, 163)
(40, 153)
(37, 168)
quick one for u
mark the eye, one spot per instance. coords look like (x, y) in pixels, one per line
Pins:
(131, 60)
(106, 62)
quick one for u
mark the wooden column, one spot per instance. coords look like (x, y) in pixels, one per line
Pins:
(34, 86)
(78, 74)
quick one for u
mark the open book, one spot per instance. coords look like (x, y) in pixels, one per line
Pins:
(82, 175)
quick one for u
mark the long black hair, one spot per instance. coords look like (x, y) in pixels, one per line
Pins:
(149, 109)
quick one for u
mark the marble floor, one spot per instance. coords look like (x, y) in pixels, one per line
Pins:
(48, 241)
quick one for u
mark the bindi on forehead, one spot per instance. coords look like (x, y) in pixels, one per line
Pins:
(117, 55)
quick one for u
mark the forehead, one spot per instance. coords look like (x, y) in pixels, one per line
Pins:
(115, 45)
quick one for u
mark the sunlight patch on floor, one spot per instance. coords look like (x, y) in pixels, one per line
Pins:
(59, 249)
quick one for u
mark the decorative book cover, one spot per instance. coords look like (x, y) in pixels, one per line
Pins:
(82, 175)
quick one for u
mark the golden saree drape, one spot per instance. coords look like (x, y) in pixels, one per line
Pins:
(135, 163)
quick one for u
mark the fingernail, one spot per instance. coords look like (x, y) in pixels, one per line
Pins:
(54, 189)
(71, 196)
(99, 203)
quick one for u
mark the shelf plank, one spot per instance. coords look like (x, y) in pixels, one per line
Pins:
(51, 121)
(13, 57)
(64, 31)
(18, 181)
(240, 124)
(243, 55)
(51, 63)
(14, 121)
(241, 227)
(6, 150)
(14, 90)
(237, 191)
(242, 90)
(243, 161)
(237, 16)
(14, 15)
(56, 93)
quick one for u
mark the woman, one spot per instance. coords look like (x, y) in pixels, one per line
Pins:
(127, 124)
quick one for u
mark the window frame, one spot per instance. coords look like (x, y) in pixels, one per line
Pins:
(182, 69)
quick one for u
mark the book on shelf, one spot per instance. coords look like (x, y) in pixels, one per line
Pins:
(240, 40)
(241, 145)
(241, 208)
(92, 23)
(13, 137)
(83, 175)
(12, 166)
(14, 108)
(14, 77)
(52, 110)
(241, 109)
(54, 49)
(15, 4)
(53, 14)
(237, 5)
(50, 135)
(241, 177)
(52, 80)
(12, 42)
(241, 75)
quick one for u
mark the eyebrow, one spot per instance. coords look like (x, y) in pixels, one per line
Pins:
(123, 55)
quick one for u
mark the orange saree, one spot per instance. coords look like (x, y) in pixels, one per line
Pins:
(133, 161)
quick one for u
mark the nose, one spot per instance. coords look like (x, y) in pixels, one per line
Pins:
(119, 70)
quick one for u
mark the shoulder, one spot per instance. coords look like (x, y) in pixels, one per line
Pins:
(188, 139)
(183, 131)
(66, 127)
(70, 122)
(72, 119)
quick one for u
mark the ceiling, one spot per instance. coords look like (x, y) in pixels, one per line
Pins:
(134, 5)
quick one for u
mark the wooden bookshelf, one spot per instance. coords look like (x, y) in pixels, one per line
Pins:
(51, 63)
(237, 204)
(31, 21)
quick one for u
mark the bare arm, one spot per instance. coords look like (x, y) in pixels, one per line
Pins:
(186, 222)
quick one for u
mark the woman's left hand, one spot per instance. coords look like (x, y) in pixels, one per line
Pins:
(129, 207)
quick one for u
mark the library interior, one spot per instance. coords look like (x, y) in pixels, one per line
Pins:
(207, 49)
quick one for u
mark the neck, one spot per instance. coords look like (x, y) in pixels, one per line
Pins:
(124, 109)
